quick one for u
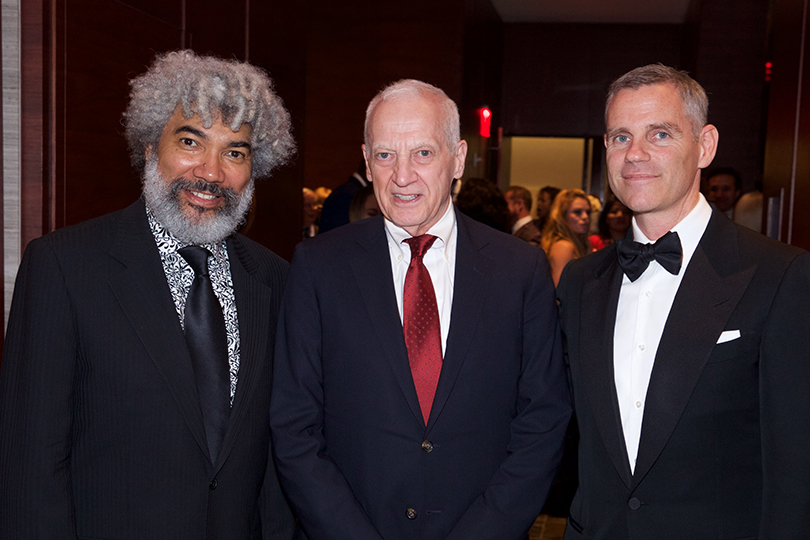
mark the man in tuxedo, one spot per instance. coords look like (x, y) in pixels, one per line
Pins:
(136, 374)
(519, 201)
(686, 345)
(419, 386)
(336, 206)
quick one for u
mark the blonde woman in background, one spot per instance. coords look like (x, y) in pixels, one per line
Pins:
(565, 236)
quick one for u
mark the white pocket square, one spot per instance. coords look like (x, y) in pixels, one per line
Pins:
(728, 335)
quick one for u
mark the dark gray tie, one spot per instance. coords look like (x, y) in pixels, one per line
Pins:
(208, 344)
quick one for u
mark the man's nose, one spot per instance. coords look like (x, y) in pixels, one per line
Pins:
(403, 172)
(636, 152)
(210, 170)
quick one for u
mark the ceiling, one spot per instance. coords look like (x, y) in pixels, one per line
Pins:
(593, 11)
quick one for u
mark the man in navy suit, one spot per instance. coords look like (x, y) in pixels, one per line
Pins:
(687, 344)
(128, 409)
(419, 385)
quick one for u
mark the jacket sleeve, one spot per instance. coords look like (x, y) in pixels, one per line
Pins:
(36, 402)
(320, 495)
(518, 489)
(785, 407)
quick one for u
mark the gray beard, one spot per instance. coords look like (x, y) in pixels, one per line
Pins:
(206, 226)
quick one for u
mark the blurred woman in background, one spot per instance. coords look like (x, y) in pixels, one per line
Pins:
(614, 221)
(565, 236)
(364, 204)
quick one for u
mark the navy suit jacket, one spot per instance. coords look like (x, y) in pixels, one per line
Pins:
(101, 433)
(725, 436)
(353, 451)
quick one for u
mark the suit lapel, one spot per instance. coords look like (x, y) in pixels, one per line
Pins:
(143, 293)
(253, 299)
(372, 270)
(598, 303)
(472, 273)
(712, 286)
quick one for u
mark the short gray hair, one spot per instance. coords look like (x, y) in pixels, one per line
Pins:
(410, 89)
(211, 88)
(695, 101)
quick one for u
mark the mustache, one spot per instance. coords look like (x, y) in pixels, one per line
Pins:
(178, 184)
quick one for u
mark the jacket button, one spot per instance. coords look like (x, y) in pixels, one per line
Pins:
(213, 484)
(634, 504)
(427, 446)
(410, 513)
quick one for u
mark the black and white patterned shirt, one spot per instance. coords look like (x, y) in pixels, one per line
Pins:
(180, 275)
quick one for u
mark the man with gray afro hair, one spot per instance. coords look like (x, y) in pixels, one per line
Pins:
(209, 87)
(135, 382)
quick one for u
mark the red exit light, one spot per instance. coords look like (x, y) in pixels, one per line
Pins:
(484, 121)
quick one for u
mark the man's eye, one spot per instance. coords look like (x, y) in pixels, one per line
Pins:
(662, 135)
(425, 153)
(236, 154)
(383, 155)
(621, 138)
(188, 142)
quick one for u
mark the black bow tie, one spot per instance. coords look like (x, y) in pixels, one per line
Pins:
(634, 257)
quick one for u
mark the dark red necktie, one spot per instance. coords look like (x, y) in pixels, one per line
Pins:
(423, 333)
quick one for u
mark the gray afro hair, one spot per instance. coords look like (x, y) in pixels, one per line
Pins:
(211, 88)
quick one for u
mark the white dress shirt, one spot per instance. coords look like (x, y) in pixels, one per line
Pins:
(520, 223)
(640, 318)
(440, 261)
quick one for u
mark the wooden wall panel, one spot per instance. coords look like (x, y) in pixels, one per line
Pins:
(354, 50)
(217, 27)
(788, 131)
(555, 76)
(730, 65)
(103, 45)
(278, 34)
(35, 75)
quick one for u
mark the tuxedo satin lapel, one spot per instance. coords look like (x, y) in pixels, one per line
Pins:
(253, 299)
(143, 294)
(598, 303)
(472, 273)
(372, 270)
(711, 288)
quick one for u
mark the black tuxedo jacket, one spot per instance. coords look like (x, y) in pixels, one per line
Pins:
(354, 454)
(725, 436)
(101, 434)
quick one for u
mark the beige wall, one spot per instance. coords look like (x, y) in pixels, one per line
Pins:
(535, 162)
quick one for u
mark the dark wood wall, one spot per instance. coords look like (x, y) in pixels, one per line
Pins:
(787, 150)
(354, 49)
(556, 76)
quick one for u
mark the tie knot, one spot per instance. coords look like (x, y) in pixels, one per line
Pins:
(634, 257)
(647, 252)
(197, 259)
(420, 245)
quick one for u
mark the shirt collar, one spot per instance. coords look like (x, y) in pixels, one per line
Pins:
(442, 230)
(363, 181)
(520, 223)
(690, 229)
(172, 244)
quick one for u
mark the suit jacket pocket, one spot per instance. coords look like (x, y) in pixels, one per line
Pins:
(744, 345)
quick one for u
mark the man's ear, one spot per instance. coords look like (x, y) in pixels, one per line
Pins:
(708, 145)
(461, 158)
(368, 165)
